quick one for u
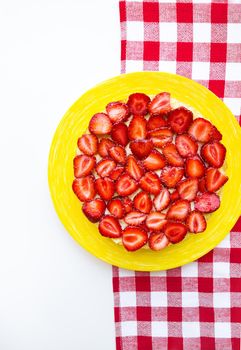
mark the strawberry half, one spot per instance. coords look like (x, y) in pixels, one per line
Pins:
(216, 134)
(174, 196)
(116, 208)
(194, 167)
(117, 111)
(116, 172)
(162, 200)
(126, 185)
(214, 179)
(105, 167)
(104, 146)
(119, 134)
(135, 218)
(214, 154)
(138, 103)
(160, 137)
(180, 119)
(172, 156)
(100, 124)
(196, 222)
(175, 231)
(179, 210)
(118, 153)
(202, 185)
(156, 122)
(84, 188)
(154, 161)
(142, 202)
(110, 227)
(186, 145)
(188, 189)
(137, 128)
(141, 148)
(170, 176)
(94, 209)
(133, 168)
(128, 204)
(155, 221)
(88, 144)
(157, 241)
(83, 165)
(207, 202)
(105, 187)
(201, 130)
(134, 238)
(160, 103)
(150, 183)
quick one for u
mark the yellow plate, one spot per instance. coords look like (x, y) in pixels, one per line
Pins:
(63, 149)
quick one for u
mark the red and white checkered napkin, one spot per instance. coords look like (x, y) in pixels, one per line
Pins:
(197, 306)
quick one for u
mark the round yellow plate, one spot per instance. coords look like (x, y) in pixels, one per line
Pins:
(63, 149)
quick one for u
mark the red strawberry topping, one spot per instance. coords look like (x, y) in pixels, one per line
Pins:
(214, 179)
(83, 165)
(133, 168)
(137, 128)
(170, 176)
(128, 204)
(216, 134)
(214, 154)
(116, 172)
(207, 202)
(119, 134)
(150, 183)
(138, 103)
(105, 167)
(141, 148)
(202, 185)
(156, 221)
(201, 130)
(188, 189)
(84, 188)
(88, 144)
(154, 161)
(172, 155)
(162, 200)
(134, 238)
(196, 222)
(175, 231)
(116, 208)
(142, 202)
(156, 122)
(194, 167)
(160, 137)
(105, 187)
(180, 120)
(126, 185)
(117, 111)
(118, 153)
(94, 209)
(160, 103)
(179, 210)
(135, 218)
(186, 145)
(100, 124)
(104, 146)
(158, 241)
(174, 196)
(110, 227)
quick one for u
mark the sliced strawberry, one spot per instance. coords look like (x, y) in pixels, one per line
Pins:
(116, 172)
(141, 148)
(133, 168)
(119, 134)
(160, 103)
(179, 210)
(137, 128)
(128, 204)
(156, 221)
(157, 241)
(105, 167)
(105, 187)
(94, 209)
(134, 238)
(162, 200)
(88, 144)
(83, 165)
(135, 218)
(216, 134)
(186, 145)
(180, 119)
(138, 103)
(172, 155)
(214, 154)
(150, 183)
(215, 179)
(100, 124)
(104, 146)
(202, 185)
(207, 202)
(174, 196)
(117, 111)
(110, 227)
(156, 122)
(201, 130)
(118, 153)
(188, 189)
(175, 231)
(170, 176)
(154, 161)
(196, 222)
(116, 208)
(142, 202)
(194, 167)
(84, 188)
(160, 137)
(126, 185)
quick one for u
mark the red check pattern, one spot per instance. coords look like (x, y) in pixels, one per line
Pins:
(197, 306)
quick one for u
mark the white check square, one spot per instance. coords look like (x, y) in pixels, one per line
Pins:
(168, 32)
(158, 299)
(190, 329)
(221, 300)
(126, 273)
(167, 66)
(233, 33)
(127, 299)
(221, 270)
(201, 32)
(222, 330)
(233, 71)
(190, 299)
(190, 270)
(135, 31)
(200, 70)
(225, 243)
(134, 66)
(129, 328)
(159, 329)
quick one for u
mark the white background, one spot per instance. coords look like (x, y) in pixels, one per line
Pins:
(53, 294)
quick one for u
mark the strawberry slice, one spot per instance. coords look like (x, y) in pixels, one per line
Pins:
(156, 122)
(142, 202)
(114, 175)
(172, 155)
(154, 161)
(100, 124)
(88, 144)
(119, 134)
(179, 210)
(84, 188)
(150, 183)
(157, 241)
(214, 154)
(180, 119)
(118, 153)
(137, 128)
(105, 167)
(162, 200)
(202, 185)
(160, 137)
(196, 222)
(215, 179)
(110, 227)
(194, 167)
(156, 221)
(201, 130)
(186, 145)
(141, 148)
(138, 103)
(104, 146)
(216, 134)
(126, 185)
(170, 176)
(175, 231)
(135, 218)
(94, 209)
(207, 202)
(117, 111)
(116, 208)
(188, 189)
(160, 103)
(105, 187)
(128, 204)
(83, 165)
(134, 238)
(133, 168)
(174, 196)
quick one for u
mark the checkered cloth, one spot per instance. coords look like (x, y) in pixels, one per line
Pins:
(197, 306)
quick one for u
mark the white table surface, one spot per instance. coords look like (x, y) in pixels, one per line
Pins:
(53, 294)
